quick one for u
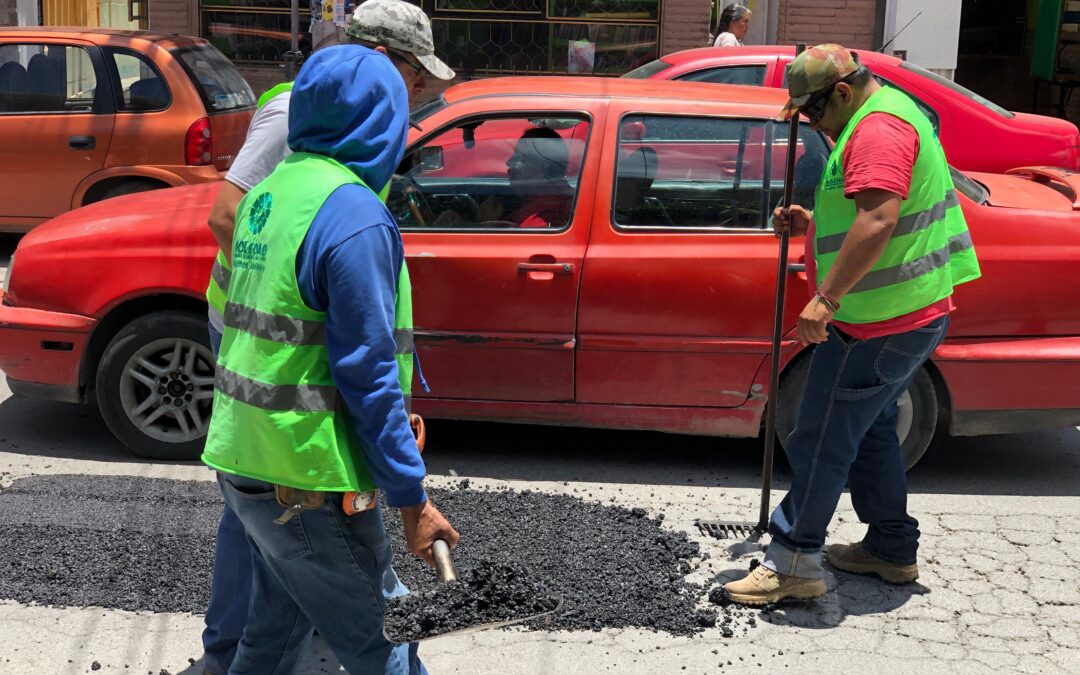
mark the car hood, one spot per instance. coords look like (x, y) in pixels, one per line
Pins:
(1039, 188)
(145, 217)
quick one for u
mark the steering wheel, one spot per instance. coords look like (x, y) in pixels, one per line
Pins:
(415, 199)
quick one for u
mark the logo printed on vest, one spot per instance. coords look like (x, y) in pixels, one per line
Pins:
(834, 178)
(250, 254)
(260, 213)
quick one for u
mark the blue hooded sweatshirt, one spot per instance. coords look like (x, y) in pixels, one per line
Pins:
(349, 103)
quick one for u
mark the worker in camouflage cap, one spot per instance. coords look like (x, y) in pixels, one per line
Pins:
(816, 70)
(403, 29)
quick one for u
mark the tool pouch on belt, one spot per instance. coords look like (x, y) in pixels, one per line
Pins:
(296, 500)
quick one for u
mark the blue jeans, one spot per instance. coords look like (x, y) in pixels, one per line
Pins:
(846, 433)
(323, 570)
(230, 589)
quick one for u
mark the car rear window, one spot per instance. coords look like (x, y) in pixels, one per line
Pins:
(220, 84)
(963, 91)
(971, 189)
(648, 70)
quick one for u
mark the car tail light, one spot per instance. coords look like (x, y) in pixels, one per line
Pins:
(198, 144)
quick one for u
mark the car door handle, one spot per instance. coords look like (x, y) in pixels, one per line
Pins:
(554, 268)
(796, 267)
(82, 142)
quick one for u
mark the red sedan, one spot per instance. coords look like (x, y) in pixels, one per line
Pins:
(597, 259)
(977, 134)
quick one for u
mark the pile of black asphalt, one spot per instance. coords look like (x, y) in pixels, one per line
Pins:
(486, 595)
(145, 544)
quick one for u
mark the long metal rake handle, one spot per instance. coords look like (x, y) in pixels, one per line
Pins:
(778, 326)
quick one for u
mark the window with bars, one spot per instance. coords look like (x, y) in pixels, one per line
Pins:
(253, 31)
(513, 37)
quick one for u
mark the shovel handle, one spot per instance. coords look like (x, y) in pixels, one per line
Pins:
(444, 566)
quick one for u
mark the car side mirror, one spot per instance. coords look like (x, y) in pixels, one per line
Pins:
(430, 158)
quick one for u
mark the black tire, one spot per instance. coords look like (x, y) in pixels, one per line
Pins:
(923, 402)
(168, 420)
(128, 187)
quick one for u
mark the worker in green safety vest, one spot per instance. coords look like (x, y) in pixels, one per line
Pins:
(403, 34)
(886, 245)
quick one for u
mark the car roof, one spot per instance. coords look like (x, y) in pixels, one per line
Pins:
(678, 58)
(768, 100)
(96, 35)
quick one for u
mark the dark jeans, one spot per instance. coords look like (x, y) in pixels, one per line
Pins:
(230, 588)
(321, 569)
(846, 434)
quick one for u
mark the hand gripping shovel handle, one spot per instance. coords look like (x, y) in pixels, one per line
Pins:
(444, 566)
(778, 326)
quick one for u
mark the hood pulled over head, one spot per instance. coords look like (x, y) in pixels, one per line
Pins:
(349, 103)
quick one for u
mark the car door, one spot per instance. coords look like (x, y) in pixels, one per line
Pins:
(680, 277)
(495, 229)
(56, 120)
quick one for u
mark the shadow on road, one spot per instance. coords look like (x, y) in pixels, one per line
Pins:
(60, 430)
(1037, 464)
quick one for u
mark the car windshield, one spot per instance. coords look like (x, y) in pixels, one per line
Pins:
(426, 109)
(648, 70)
(973, 190)
(220, 84)
(963, 91)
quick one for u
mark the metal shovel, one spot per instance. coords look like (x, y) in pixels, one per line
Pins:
(445, 572)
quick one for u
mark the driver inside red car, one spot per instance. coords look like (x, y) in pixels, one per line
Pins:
(540, 196)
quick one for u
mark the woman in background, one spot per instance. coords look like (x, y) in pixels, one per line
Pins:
(734, 22)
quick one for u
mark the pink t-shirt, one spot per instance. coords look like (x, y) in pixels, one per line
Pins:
(880, 154)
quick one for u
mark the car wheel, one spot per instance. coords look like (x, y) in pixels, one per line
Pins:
(128, 187)
(155, 385)
(916, 420)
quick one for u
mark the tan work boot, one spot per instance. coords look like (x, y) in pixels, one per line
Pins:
(857, 560)
(763, 586)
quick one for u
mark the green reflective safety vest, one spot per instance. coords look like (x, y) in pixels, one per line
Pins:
(277, 414)
(930, 250)
(221, 271)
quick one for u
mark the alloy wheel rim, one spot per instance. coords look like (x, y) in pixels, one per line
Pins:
(167, 389)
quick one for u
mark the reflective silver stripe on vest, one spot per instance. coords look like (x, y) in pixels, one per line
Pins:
(273, 327)
(281, 397)
(220, 275)
(408, 404)
(914, 268)
(912, 222)
(403, 338)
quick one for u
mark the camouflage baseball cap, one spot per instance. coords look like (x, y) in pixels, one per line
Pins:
(397, 24)
(815, 69)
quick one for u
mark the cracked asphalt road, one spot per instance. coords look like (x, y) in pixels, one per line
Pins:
(1000, 557)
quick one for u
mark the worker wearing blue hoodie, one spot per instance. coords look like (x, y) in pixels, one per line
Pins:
(309, 410)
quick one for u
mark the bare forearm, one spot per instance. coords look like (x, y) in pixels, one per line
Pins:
(864, 244)
(877, 212)
(223, 216)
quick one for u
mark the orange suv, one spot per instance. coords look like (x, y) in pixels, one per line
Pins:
(90, 113)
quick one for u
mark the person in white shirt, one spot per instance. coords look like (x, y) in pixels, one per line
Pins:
(734, 22)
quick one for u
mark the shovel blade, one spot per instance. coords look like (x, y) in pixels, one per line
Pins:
(400, 639)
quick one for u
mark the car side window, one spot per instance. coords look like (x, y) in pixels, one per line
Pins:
(508, 174)
(141, 87)
(811, 155)
(692, 173)
(46, 78)
(750, 75)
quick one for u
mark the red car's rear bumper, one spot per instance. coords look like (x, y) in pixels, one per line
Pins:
(40, 351)
(1005, 385)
